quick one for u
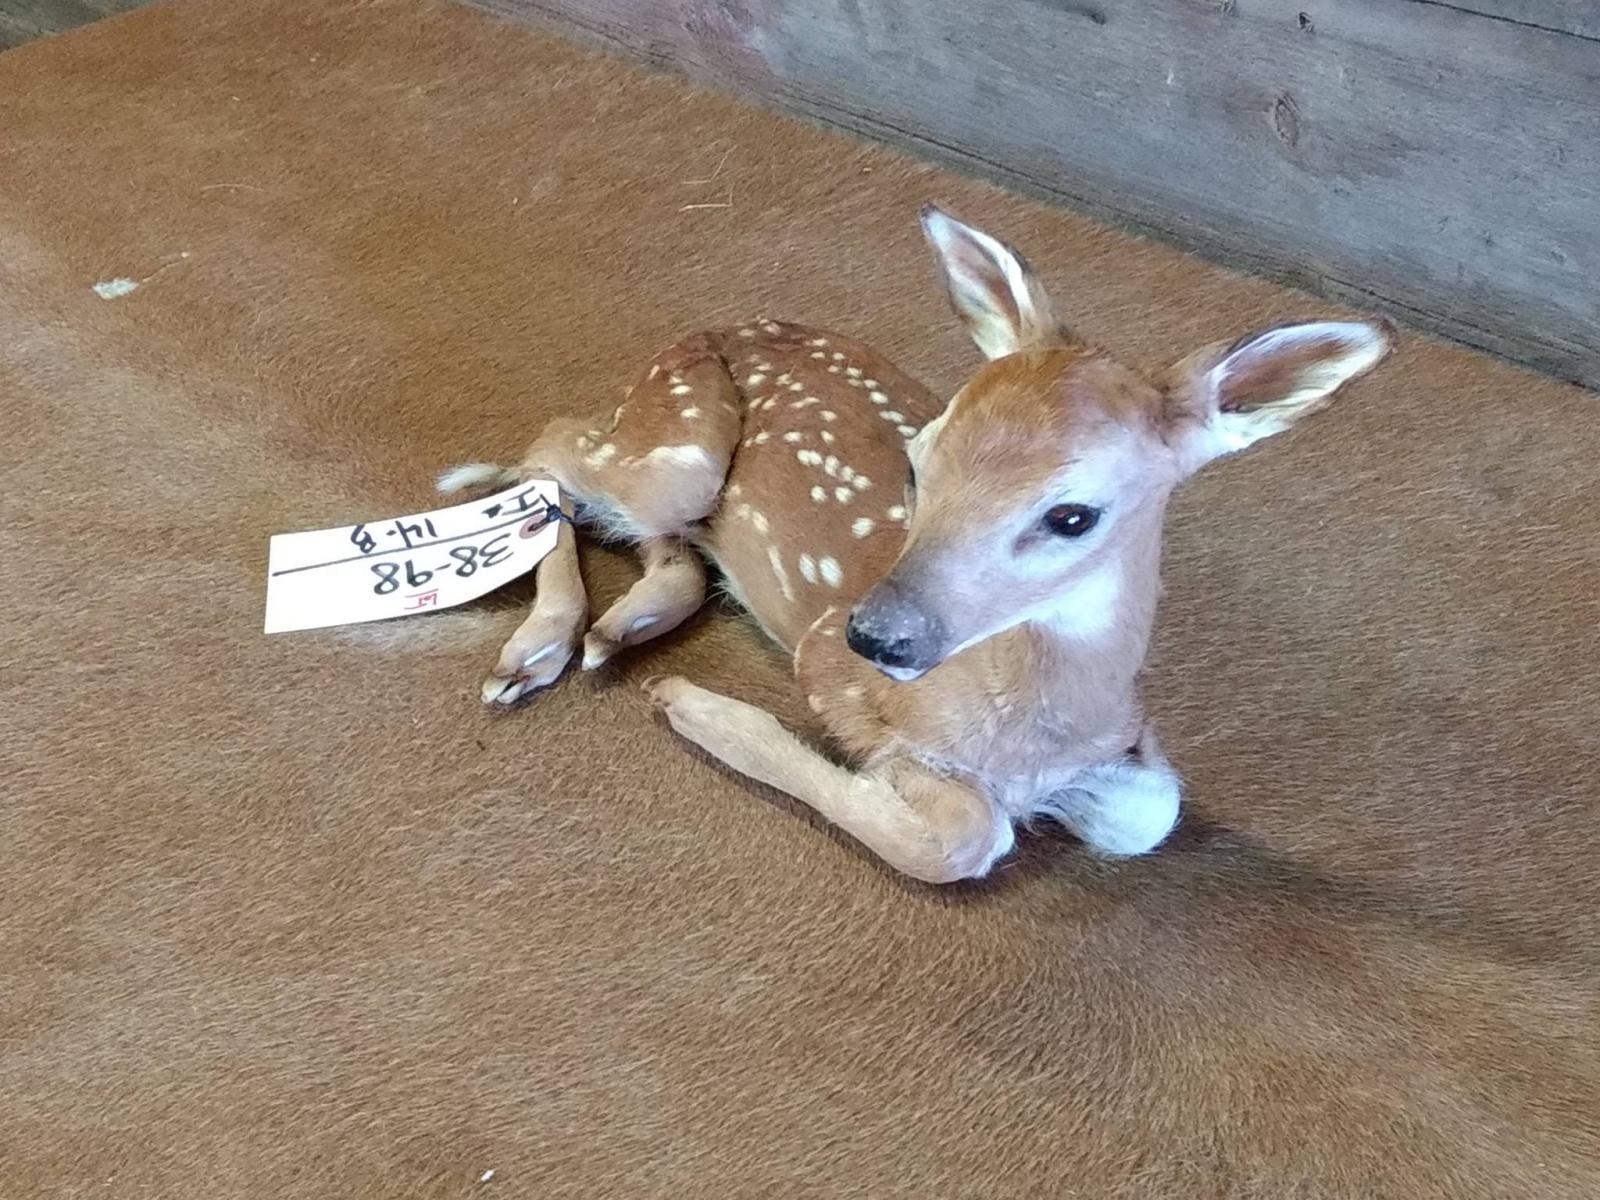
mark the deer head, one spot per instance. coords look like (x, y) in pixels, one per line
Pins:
(1038, 494)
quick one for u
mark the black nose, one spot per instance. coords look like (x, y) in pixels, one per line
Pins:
(890, 652)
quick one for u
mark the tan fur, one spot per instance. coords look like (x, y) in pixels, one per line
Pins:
(766, 445)
(294, 918)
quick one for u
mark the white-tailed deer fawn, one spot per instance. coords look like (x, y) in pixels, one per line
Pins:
(970, 630)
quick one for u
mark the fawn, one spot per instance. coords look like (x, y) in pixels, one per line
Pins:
(967, 589)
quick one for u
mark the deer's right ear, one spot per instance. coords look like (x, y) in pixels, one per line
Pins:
(1223, 398)
(990, 287)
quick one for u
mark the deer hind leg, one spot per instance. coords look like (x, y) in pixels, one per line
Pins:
(671, 591)
(928, 826)
(653, 475)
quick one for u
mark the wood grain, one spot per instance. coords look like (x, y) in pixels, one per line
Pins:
(1437, 161)
(23, 20)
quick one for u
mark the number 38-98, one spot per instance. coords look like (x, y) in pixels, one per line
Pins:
(468, 560)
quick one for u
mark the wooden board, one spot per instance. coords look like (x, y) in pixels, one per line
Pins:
(23, 20)
(1437, 161)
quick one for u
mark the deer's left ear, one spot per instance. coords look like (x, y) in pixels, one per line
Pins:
(1226, 397)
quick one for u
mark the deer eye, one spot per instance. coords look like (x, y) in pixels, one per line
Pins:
(1071, 520)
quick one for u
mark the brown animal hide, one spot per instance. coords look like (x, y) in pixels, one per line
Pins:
(298, 917)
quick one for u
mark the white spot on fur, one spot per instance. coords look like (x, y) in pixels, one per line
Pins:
(830, 467)
(806, 403)
(808, 458)
(761, 438)
(797, 386)
(818, 354)
(854, 692)
(110, 289)
(747, 333)
(815, 702)
(832, 573)
(871, 383)
(602, 455)
(891, 415)
(862, 483)
(654, 371)
(472, 475)
(683, 389)
(897, 512)
(855, 371)
(794, 435)
(486, 1176)
(735, 491)
(690, 413)
(817, 342)
(838, 356)
(908, 431)
(755, 380)
(853, 382)
(779, 573)
(679, 456)
(877, 397)
(808, 568)
(833, 368)
(827, 437)
(759, 520)
(862, 526)
(771, 327)
(819, 494)
(843, 495)
(828, 414)
(1089, 608)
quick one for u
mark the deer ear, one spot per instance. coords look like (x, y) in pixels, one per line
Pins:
(990, 287)
(1227, 397)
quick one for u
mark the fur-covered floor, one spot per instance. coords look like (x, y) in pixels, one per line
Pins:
(297, 917)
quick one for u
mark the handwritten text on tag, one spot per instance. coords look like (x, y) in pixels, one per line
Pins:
(393, 568)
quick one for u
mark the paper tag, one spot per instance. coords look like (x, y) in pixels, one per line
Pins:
(405, 565)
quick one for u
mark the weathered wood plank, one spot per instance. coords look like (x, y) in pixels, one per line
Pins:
(1580, 17)
(1420, 157)
(23, 20)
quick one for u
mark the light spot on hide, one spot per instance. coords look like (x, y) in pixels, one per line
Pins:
(832, 573)
(863, 526)
(808, 568)
(110, 289)
(819, 494)
(679, 456)
(690, 413)
(779, 573)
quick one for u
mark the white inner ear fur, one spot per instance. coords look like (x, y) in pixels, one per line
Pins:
(1359, 349)
(977, 267)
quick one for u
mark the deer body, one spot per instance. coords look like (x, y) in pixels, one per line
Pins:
(972, 643)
